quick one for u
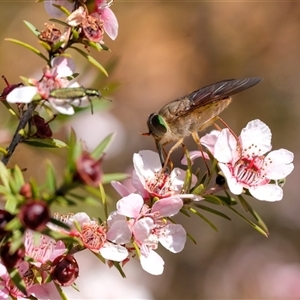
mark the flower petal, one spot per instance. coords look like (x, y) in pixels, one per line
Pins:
(119, 232)
(130, 206)
(65, 66)
(234, 186)
(54, 11)
(167, 207)
(62, 106)
(256, 133)
(153, 263)
(120, 188)
(268, 192)
(111, 25)
(280, 164)
(23, 94)
(225, 147)
(209, 140)
(142, 229)
(174, 238)
(146, 163)
(113, 252)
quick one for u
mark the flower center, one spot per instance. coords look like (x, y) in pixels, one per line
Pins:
(159, 185)
(250, 170)
(93, 236)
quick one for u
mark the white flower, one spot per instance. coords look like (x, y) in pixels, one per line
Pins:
(149, 178)
(244, 164)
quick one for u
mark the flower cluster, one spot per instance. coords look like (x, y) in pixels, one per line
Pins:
(243, 162)
(37, 252)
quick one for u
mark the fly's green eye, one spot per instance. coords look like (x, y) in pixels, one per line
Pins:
(157, 125)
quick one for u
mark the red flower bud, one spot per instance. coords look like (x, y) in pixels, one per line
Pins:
(43, 129)
(35, 214)
(5, 217)
(89, 170)
(65, 270)
(26, 191)
(9, 259)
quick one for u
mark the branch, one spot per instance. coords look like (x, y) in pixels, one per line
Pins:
(17, 138)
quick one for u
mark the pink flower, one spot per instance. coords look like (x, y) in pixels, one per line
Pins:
(42, 248)
(40, 291)
(99, 239)
(149, 178)
(244, 164)
(149, 228)
(54, 11)
(109, 19)
(53, 78)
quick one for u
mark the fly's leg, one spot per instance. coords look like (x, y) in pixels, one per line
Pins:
(197, 141)
(165, 162)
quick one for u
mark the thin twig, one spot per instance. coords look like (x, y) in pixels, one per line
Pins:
(17, 138)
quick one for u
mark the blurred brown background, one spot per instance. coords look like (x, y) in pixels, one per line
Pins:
(164, 50)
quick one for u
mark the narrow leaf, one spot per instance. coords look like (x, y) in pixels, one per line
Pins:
(17, 280)
(256, 227)
(108, 178)
(29, 47)
(119, 268)
(213, 199)
(45, 143)
(91, 60)
(98, 151)
(51, 177)
(194, 211)
(32, 28)
(59, 22)
(213, 211)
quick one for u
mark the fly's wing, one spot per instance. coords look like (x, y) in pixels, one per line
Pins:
(217, 91)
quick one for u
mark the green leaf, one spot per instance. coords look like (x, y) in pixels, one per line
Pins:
(56, 46)
(119, 268)
(62, 295)
(34, 188)
(13, 225)
(98, 151)
(191, 238)
(228, 200)
(252, 224)
(247, 207)
(4, 175)
(91, 60)
(18, 178)
(213, 199)
(63, 23)
(183, 211)
(32, 28)
(45, 143)
(194, 211)
(45, 45)
(59, 223)
(211, 210)
(29, 47)
(198, 190)
(103, 197)
(17, 280)
(62, 8)
(108, 178)
(51, 177)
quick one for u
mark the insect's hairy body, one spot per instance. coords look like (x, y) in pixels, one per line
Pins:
(192, 113)
(196, 120)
